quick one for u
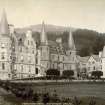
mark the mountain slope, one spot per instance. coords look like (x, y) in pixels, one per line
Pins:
(87, 41)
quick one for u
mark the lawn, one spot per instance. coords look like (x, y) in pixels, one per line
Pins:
(83, 91)
(74, 89)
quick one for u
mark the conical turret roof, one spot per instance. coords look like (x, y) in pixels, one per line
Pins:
(4, 28)
(71, 41)
(43, 37)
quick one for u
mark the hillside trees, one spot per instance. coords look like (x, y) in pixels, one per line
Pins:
(86, 41)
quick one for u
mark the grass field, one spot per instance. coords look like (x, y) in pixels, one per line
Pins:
(83, 91)
(74, 89)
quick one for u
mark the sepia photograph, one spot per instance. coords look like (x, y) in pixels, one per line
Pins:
(52, 52)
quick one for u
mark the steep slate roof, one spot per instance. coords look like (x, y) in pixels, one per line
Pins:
(56, 48)
(83, 59)
(96, 57)
(21, 39)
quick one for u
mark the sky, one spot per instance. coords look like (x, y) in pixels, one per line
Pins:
(89, 14)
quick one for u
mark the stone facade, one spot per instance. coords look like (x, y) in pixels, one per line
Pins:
(22, 58)
(53, 55)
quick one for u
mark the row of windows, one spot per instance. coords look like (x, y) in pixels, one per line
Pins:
(36, 70)
(27, 50)
(92, 62)
(93, 68)
(61, 58)
(61, 66)
(30, 42)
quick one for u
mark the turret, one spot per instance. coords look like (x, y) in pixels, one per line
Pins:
(4, 27)
(71, 44)
(43, 37)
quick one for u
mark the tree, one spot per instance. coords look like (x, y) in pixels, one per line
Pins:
(68, 73)
(97, 74)
(98, 44)
(85, 51)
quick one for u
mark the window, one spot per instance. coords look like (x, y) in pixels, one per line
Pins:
(2, 45)
(9, 75)
(47, 49)
(28, 42)
(13, 48)
(33, 51)
(31, 42)
(11, 67)
(36, 70)
(88, 68)
(3, 66)
(47, 65)
(53, 65)
(15, 67)
(52, 57)
(22, 58)
(94, 67)
(29, 75)
(63, 58)
(20, 49)
(36, 60)
(21, 68)
(58, 57)
(29, 59)
(73, 58)
(89, 63)
(2, 55)
(70, 53)
(29, 69)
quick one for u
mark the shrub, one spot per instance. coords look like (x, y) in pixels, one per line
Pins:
(68, 73)
(97, 74)
(53, 73)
